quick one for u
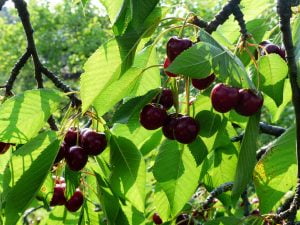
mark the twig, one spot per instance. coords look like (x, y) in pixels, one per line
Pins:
(28, 213)
(239, 16)
(215, 193)
(286, 205)
(285, 14)
(15, 71)
(246, 203)
(264, 128)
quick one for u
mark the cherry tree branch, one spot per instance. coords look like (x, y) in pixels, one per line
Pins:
(285, 14)
(239, 16)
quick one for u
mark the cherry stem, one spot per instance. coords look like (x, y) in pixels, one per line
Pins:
(187, 94)
(184, 24)
(175, 95)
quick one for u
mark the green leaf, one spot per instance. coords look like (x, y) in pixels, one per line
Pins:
(132, 107)
(176, 172)
(128, 175)
(273, 70)
(29, 184)
(22, 116)
(129, 215)
(209, 122)
(224, 221)
(275, 174)
(114, 9)
(99, 72)
(247, 157)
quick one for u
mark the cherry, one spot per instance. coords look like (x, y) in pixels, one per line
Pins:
(224, 98)
(61, 153)
(177, 45)
(203, 83)
(59, 180)
(186, 129)
(166, 65)
(165, 98)
(71, 136)
(93, 142)
(75, 202)
(153, 116)
(272, 48)
(156, 219)
(76, 158)
(169, 125)
(249, 102)
(58, 197)
(255, 212)
(183, 219)
(4, 147)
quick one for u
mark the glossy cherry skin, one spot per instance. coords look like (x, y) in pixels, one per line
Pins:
(4, 147)
(249, 103)
(165, 98)
(186, 129)
(183, 219)
(272, 48)
(169, 125)
(156, 219)
(75, 202)
(93, 142)
(61, 153)
(58, 197)
(71, 136)
(204, 83)
(153, 116)
(76, 158)
(166, 65)
(224, 98)
(177, 45)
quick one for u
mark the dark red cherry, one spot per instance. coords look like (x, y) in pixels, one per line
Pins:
(272, 48)
(59, 180)
(4, 147)
(183, 219)
(186, 129)
(169, 125)
(58, 197)
(224, 98)
(249, 102)
(93, 142)
(71, 136)
(203, 83)
(61, 153)
(177, 45)
(165, 98)
(156, 219)
(153, 116)
(255, 212)
(76, 158)
(75, 202)
(166, 65)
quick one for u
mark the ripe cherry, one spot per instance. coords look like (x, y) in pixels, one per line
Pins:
(61, 153)
(224, 98)
(93, 142)
(156, 219)
(58, 197)
(153, 116)
(4, 147)
(169, 125)
(166, 65)
(75, 202)
(165, 98)
(71, 136)
(183, 219)
(203, 83)
(249, 102)
(272, 48)
(186, 129)
(177, 45)
(76, 158)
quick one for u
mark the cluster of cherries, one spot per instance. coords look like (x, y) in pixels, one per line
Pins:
(78, 145)
(59, 198)
(175, 126)
(182, 219)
